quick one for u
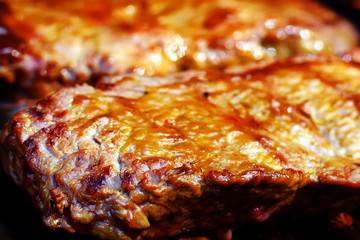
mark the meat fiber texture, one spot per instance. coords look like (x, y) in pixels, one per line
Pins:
(48, 44)
(139, 157)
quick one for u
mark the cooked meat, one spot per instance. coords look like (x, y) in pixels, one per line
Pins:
(141, 157)
(48, 44)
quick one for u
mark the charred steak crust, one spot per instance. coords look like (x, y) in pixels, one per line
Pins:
(141, 157)
(48, 44)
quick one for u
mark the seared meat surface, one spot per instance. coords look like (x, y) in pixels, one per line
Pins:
(48, 44)
(140, 157)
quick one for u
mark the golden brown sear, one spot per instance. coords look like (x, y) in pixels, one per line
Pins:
(48, 44)
(139, 157)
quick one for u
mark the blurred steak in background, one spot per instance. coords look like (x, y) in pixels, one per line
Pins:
(48, 44)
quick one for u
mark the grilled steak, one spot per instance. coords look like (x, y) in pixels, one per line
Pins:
(47, 44)
(140, 157)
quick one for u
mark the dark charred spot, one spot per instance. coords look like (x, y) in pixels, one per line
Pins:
(226, 172)
(51, 65)
(13, 124)
(105, 86)
(30, 143)
(184, 67)
(146, 92)
(52, 203)
(96, 141)
(253, 123)
(77, 161)
(217, 17)
(11, 58)
(127, 177)
(128, 181)
(357, 165)
(206, 94)
(96, 180)
(127, 26)
(30, 154)
(47, 102)
(36, 112)
(93, 182)
(4, 8)
(52, 141)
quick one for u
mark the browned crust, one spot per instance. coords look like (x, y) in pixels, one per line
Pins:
(146, 158)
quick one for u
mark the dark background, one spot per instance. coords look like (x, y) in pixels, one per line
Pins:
(19, 219)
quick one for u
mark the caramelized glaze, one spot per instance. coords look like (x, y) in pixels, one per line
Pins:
(141, 157)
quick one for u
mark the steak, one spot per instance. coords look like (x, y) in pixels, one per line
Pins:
(48, 44)
(150, 157)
